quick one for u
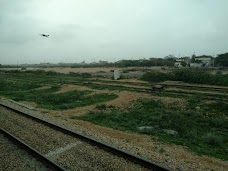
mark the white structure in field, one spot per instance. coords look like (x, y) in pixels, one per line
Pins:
(117, 74)
(180, 61)
(202, 61)
(196, 65)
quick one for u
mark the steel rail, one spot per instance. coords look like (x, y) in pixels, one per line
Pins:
(207, 95)
(48, 163)
(195, 86)
(122, 153)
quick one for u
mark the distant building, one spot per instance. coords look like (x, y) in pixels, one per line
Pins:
(196, 65)
(202, 61)
(182, 62)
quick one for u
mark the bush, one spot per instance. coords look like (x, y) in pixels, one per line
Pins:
(213, 139)
(196, 76)
(155, 76)
(101, 106)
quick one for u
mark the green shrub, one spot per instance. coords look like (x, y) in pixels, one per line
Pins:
(196, 76)
(213, 139)
(101, 106)
(155, 76)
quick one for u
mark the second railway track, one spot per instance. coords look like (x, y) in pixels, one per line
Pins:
(18, 156)
(70, 150)
(177, 93)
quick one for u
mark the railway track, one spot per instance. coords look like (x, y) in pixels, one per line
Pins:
(197, 87)
(50, 165)
(94, 143)
(208, 96)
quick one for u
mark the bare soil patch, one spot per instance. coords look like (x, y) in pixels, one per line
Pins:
(66, 88)
(94, 70)
(124, 99)
(79, 70)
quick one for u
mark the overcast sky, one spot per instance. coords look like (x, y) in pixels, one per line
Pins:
(93, 30)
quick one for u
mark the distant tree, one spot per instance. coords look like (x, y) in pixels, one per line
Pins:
(193, 58)
(222, 60)
(170, 56)
(183, 63)
(204, 56)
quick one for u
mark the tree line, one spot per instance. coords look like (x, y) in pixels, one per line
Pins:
(221, 61)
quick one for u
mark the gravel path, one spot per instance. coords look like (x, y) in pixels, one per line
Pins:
(69, 152)
(15, 159)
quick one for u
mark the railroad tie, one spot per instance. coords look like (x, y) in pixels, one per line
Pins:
(62, 149)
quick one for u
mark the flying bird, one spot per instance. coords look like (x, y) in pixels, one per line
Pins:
(44, 35)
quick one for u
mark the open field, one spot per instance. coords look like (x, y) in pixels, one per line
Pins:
(195, 118)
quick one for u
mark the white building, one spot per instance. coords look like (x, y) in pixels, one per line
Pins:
(180, 61)
(202, 61)
(196, 65)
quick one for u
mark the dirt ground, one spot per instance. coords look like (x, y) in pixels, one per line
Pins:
(78, 70)
(94, 70)
(124, 99)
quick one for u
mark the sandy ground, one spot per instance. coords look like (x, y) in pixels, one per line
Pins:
(124, 99)
(93, 70)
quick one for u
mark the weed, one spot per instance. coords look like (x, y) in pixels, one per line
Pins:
(213, 139)
(23, 90)
(101, 106)
(197, 76)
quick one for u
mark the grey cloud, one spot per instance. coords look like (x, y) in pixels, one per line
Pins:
(114, 28)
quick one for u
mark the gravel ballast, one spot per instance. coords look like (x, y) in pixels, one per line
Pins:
(173, 156)
(68, 151)
(15, 159)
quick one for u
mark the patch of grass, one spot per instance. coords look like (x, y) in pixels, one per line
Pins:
(22, 87)
(101, 106)
(213, 139)
(196, 76)
(104, 106)
(68, 100)
(218, 107)
(81, 75)
(6, 85)
(199, 129)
